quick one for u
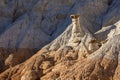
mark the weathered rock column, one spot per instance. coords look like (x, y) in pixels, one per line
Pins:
(76, 25)
(77, 31)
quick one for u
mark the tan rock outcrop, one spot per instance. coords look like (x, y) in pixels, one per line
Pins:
(29, 75)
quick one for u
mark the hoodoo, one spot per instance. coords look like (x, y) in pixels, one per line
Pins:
(76, 25)
(77, 31)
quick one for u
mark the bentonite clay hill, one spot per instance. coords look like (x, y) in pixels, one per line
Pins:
(87, 49)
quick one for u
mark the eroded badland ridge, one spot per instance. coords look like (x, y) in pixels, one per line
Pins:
(81, 39)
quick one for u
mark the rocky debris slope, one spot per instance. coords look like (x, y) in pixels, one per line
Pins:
(94, 57)
(27, 25)
(34, 23)
(12, 57)
(70, 64)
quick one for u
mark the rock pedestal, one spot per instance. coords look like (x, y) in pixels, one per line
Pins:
(77, 31)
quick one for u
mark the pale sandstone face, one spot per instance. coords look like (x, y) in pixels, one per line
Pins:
(77, 31)
(76, 25)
